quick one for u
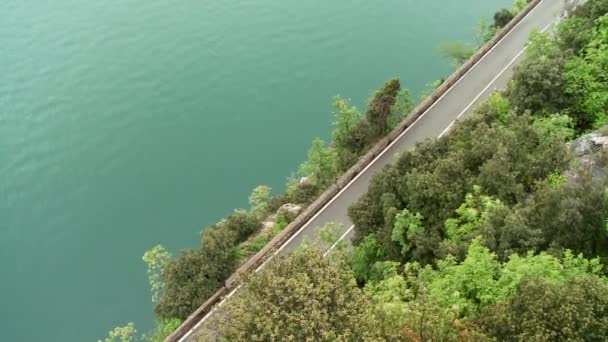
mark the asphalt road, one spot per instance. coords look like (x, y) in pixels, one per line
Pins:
(492, 72)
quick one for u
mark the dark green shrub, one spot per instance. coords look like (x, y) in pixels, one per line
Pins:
(242, 224)
(542, 311)
(502, 17)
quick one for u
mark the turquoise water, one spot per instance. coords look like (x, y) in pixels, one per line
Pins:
(124, 124)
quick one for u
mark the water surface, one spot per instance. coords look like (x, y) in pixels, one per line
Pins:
(127, 123)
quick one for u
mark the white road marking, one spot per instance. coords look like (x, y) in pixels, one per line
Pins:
(231, 293)
(489, 85)
(340, 239)
(482, 92)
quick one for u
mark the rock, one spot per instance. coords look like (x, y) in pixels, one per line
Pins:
(269, 222)
(303, 180)
(589, 144)
(290, 210)
(590, 151)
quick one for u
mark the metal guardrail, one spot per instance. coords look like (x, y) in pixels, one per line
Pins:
(266, 252)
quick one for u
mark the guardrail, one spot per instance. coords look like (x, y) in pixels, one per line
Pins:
(348, 176)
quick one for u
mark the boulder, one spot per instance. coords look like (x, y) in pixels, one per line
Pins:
(290, 209)
(590, 151)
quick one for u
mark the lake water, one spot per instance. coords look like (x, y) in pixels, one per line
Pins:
(128, 123)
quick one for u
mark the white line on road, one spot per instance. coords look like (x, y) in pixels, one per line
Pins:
(488, 86)
(340, 239)
(183, 338)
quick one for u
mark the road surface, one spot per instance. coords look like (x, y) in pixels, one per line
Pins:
(490, 73)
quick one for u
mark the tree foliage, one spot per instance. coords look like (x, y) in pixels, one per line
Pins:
(544, 311)
(591, 9)
(195, 275)
(560, 126)
(587, 76)
(449, 302)
(156, 259)
(519, 5)
(303, 297)
(322, 165)
(455, 52)
(121, 334)
(407, 228)
(364, 256)
(164, 328)
(380, 107)
(482, 280)
(502, 17)
(258, 200)
(565, 72)
(538, 81)
(404, 105)
(503, 159)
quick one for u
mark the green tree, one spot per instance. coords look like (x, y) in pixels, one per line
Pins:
(156, 259)
(241, 223)
(364, 256)
(321, 166)
(380, 107)
(481, 280)
(404, 105)
(354, 133)
(164, 328)
(121, 334)
(587, 78)
(351, 133)
(408, 227)
(573, 34)
(444, 303)
(471, 216)
(502, 17)
(430, 88)
(504, 158)
(519, 5)
(559, 126)
(258, 200)
(496, 105)
(346, 118)
(302, 297)
(195, 275)
(538, 82)
(591, 9)
(329, 235)
(455, 52)
(483, 32)
(572, 216)
(543, 311)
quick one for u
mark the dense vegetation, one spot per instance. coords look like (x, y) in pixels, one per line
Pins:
(304, 297)
(493, 232)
